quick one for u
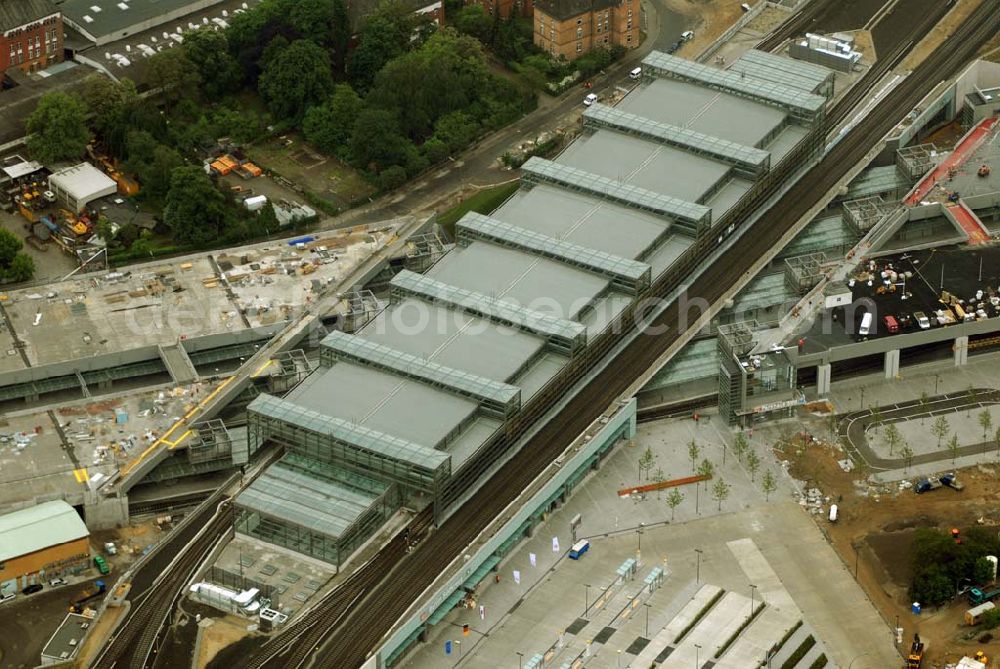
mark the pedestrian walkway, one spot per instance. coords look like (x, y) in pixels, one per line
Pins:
(962, 152)
(971, 225)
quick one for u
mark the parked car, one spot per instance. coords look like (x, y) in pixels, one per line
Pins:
(922, 321)
(102, 565)
(673, 47)
(687, 35)
(56, 582)
(32, 589)
(7, 598)
(590, 99)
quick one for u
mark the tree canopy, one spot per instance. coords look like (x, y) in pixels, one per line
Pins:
(328, 126)
(195, 210)
(295, 79)
(57, 129)
(14, 264)
(219, 72)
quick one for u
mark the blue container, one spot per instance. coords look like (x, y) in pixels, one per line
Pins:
(915, 608)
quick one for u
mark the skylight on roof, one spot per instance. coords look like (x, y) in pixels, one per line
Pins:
(122, 6)
(87, 19)
(95, 9)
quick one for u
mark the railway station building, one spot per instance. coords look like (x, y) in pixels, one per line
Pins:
(437, 388)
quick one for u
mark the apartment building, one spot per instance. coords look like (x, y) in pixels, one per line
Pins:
(571, 28)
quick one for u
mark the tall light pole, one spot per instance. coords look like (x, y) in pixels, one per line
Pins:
(753, 589)
(648, 606)
(937, 377)
(586, 598)
(697, 656)
(520, 657)
(862, 398)
(697, 576)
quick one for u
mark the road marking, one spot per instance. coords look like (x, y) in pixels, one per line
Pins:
(81, 475)
(261, 369)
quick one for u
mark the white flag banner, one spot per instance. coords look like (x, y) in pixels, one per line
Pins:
(517, 577)
(532, 559)
(482, 612)
(555, 544)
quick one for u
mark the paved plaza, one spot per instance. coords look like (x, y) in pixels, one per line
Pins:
(773, 545)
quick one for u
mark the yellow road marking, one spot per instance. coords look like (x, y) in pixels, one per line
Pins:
(81, 475)
(164, 439)
(263, 366)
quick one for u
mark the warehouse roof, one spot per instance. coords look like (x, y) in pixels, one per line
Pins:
(98, 19)
(82, 181)
(38, 527)
(16, 13)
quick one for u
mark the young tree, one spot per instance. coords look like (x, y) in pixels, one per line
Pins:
(693, 452)
(907, 454)
(925, 400)
(720, 492)
(768, 485)
(953, 447)
(57, 129)
(986, 421)
(971, 392)
(892, 436)
(674, 500)
(740, 445)
(876, 417)
(706, 469)
(646, 461)
(659, 474)
(940, 428)
(753, 464)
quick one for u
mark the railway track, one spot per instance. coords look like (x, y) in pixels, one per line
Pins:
(363, 627)
(136, 641)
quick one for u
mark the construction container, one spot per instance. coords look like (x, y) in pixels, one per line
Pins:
(974, 615)
(255, 203)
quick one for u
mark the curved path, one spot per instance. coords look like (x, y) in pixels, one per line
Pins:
(853, 426)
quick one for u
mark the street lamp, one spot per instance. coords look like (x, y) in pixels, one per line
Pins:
(586, 598)
(648, 607)
(862, 398)
(520, 656)
(753, 589)
(697, 656)
(937, 377)
(697, 577)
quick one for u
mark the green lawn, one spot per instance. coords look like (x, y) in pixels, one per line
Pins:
(483, 202)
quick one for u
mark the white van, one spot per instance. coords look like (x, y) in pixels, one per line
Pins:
(833, 513)
(866, 325)
(635, 74)
(687, 35)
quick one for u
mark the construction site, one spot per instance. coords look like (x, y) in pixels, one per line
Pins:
(313, 411)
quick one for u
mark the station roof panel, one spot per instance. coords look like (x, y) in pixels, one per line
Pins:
(656, 167)
(349, 433)
(494, 309)
(368, 352)
(643, 198)
(454, 338)
(319, 505)
(674, 135)
(785, 71)
(478, 226)
(774, 93)
(584, 219)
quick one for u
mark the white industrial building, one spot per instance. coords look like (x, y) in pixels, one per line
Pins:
(80, 185)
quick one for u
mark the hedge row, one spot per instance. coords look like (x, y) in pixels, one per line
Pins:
(799, 653)
(732, 637)
(701, 614)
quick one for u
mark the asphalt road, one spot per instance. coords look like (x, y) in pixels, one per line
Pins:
(853, 427)
(26, 623)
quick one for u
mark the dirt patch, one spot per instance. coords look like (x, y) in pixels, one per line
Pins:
(220, 634)
(952, 20)
(875, 530)
(711, 18)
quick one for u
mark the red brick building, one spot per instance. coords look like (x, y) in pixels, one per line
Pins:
(571, 28)
(31, 35)
(505, 7)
